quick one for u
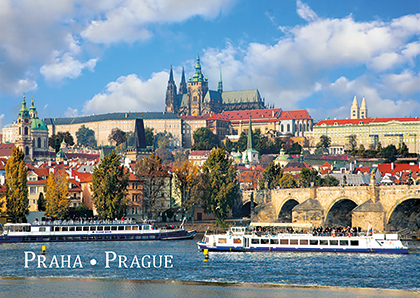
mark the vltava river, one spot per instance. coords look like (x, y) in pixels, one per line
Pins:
(161, 262)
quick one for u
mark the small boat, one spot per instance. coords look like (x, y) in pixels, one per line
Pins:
(265, 237)
(75, 231)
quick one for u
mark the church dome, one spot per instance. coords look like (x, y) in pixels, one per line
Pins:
(38, 124)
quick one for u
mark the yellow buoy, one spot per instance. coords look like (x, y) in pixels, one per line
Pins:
(44, 249)
(206, 254)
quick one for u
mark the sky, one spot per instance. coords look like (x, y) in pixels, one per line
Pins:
(77, 57)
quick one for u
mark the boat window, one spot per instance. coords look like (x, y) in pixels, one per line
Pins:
(78, 228)
(237, 241)
(122, 237)
(323, 242)
(128, 228)
(85, 228)
(100, 228)
(135, 228)
(52, 238)
(222, 240)
(92, 237)
(71, 228)
(264, 241)
(129, 237)
(152, 236)
(274, 241)
(76, 238)
(120, 228)
(35, 238)
(45, 238)
(354, 242)
(284, 241)
(137, 237)
(107, 228)
(57, 229)
(65, 229)
(99, 237)
(344, 242)
(146, 227)
(69, 238)
(42, 229)
(107, 237)
(114, 237)
(313, 242)
(255, 241)
(294, 242)
(113, 228)
(304, 242)
(84, 237)
(61, 238)
(93, 228)
(333, 242)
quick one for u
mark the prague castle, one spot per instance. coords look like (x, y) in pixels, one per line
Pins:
(196, 99)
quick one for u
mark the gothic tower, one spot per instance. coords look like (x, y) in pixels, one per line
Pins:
(183, 85)
(171, 103)
(24, 141)
(197, 90)
(363, 109)
(354, 110)
(220, 84)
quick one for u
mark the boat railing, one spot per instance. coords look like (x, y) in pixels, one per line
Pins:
(83, 222)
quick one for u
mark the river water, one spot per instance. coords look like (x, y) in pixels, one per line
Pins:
(167, 264)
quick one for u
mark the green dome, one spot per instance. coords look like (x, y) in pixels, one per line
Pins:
(38, 124)
(61, 154)
(237, 155)
(24, 113)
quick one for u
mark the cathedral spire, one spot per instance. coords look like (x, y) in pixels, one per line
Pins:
(198, 76)
(183, 84)
(250, 136)
(354, 110)
(171, 76)
(220, 84)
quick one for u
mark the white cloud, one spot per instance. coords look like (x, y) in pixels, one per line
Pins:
(1, 120)
(130, 93)
(305, 12)
(70, 112)
(406, 83)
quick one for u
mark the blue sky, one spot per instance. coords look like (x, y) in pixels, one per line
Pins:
(80, 57)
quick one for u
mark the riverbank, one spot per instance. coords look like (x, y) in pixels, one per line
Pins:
(96, 287)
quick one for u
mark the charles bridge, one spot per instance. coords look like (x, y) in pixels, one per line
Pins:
(384, 207)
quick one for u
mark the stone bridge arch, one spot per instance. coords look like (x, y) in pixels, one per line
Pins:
(404, 213)
(284, 213)
(339, 212)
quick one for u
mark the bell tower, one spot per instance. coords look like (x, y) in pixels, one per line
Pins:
(24, 141)
(197, 90)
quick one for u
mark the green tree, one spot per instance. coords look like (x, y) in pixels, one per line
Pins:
(17, 203)
(242, 142)
(165, 155)
(324, 142)
(149, 136)
(379, 150)
(221, 188)
(56, 139)
(295, 149)
(352, 144)
(229, 146)
(42, 203)
(204, 139)
(271, 176)
(329, 181)
(109, 187)
(118, 136)
(287, 181)
(307, 176)
(402, 149)
(155, 179)
(389, 153)
(57, 195)
(86, 137)
(163, 139)
(362, 151)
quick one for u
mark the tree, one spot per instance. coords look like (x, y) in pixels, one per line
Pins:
(42, 203)
(109, 187)
(57, 195)
(221, 188)
(271, 176)
(229, 145)
(307, 176)
(242, 142)
(204, 139)
(362, 151)
(148, 132)
(402, 149)
(295, 149)
(56, 139)
(379, 150)
(352, 144)
(389, 153)
(118, 136)
(17, 202)
(155, 178)
(86, 137)
(165, 155)
(287, 181)
(180, 155)
(163, 139)
(329, 181)
(324, 142)
(188, 183)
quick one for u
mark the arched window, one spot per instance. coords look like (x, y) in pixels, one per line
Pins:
(27, 150)
(20, 131)
(282, 128)
(288, 127)
(39, 143)
(26, 131)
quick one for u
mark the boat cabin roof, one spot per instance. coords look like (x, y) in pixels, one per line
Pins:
(281, 225)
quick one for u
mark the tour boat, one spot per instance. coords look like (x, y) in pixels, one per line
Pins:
(74, 231)
(263, 238)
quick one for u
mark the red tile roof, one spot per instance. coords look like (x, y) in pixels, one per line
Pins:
(6, 149)
(296, 114)
(262, 114)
